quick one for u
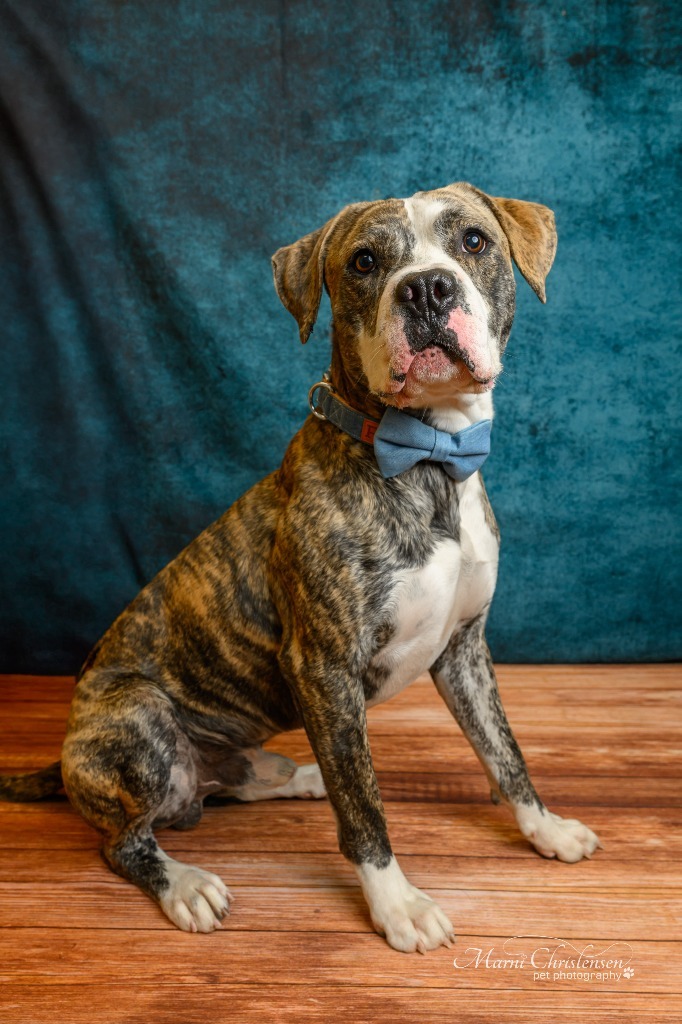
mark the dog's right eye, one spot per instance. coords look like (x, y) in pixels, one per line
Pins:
(364, 262)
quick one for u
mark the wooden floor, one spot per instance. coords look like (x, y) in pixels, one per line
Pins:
(603, 744)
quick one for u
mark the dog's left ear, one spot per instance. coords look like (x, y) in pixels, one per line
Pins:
(531, 232)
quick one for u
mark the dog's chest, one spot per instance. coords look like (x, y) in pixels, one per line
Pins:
(431, 603)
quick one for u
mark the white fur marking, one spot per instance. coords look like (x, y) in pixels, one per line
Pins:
(553, 836)
(469, 409)
(431, 603)
(410, 920)
(305, 783)
(196, 900)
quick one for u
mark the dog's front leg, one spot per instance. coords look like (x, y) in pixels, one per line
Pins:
(465, 678)
(332, 705)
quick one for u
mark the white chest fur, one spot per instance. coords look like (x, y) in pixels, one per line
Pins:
(431, 603)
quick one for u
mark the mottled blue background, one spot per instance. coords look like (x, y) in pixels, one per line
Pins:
(153, 157)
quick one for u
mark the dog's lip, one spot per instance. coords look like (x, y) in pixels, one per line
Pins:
(488, 382)
(399, 378)
(389, 392)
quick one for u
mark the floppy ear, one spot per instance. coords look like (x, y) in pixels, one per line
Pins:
(298, 271)
(531, 232)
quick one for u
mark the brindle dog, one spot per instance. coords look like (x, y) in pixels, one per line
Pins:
(326, 587)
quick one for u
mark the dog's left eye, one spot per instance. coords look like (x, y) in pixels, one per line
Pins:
(474, 242)
(364, 261)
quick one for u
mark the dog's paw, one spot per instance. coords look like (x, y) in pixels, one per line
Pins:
(196, 900)
(306, 783)
(566, 839)
(409, 919)
(415, 923)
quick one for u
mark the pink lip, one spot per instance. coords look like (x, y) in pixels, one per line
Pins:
(431, 363)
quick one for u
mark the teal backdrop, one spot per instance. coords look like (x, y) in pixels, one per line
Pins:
(154, 155)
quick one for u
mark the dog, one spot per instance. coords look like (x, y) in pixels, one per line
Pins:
(367, 559)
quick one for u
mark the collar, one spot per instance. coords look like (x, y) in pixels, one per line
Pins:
(330, 406)
(400, 440)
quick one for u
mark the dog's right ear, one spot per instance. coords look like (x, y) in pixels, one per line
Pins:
(298, 271)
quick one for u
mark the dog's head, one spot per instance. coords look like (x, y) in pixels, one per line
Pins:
(422, 289)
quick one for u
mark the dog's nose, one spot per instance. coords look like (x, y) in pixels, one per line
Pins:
(427, 293)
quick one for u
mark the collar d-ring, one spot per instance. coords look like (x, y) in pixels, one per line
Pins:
(326, 385)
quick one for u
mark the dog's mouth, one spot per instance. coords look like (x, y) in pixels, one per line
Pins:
(441, 362)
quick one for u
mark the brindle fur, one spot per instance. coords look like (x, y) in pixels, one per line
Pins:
(274, 616)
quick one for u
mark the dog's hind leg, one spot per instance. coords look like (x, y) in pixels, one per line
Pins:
(465, 678)
(274, 776)
(127, 766)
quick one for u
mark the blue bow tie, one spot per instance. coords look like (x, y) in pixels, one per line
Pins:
(401, 441)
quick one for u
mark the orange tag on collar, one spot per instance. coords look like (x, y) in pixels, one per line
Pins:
(369, 429)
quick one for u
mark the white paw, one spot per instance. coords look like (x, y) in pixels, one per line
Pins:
(414, 924)
(565, 838)
(305, 783)
(196, 900)
(406, 916)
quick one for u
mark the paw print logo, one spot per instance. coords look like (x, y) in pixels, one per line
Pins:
(628, 972)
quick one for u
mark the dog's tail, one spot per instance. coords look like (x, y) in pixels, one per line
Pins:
(35, 786)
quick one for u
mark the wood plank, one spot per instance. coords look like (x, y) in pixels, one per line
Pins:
(160, 1003)
(583, 790)
(622, 752)
(586, 677)
(254, 868)
(36, 688)
(51, 957)
(108, 904)
(309, 826)
(555, 707)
